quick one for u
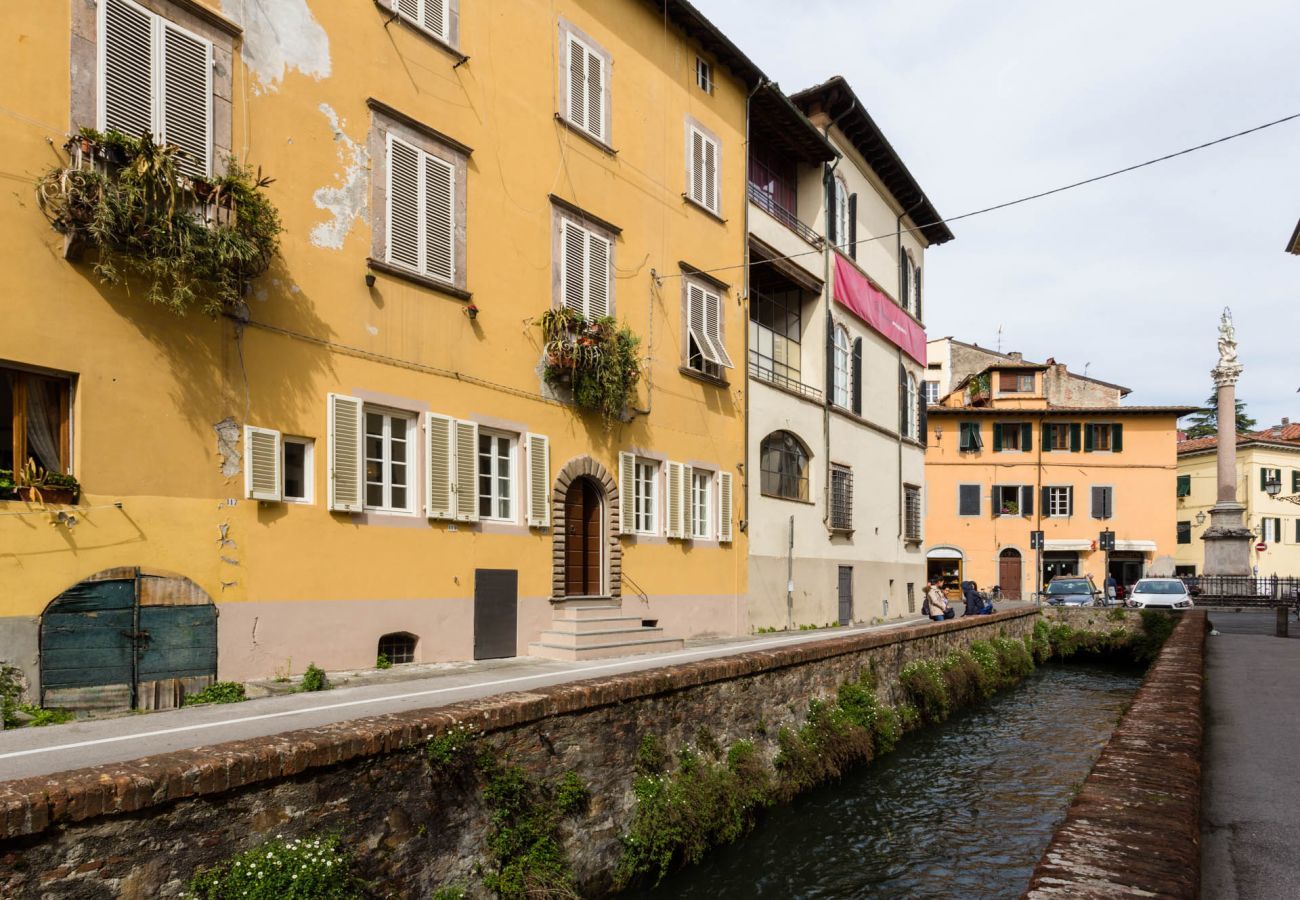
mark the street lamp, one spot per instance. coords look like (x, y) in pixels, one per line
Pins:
(1272, 488)
(1200, 518)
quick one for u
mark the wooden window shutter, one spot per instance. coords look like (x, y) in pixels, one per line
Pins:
(904, 281)
(598, 277)
(1116, 438)
(1074, 437)
(346, 481)
(1098, 502)
(595, 94)
(917, 290)
(538, 452)
(1047, 501)
(627, 492)
(403, 203)
(465, 486)
(1026, 437)
(573, 265)
(711, 174)
(853, 226)
(1047, 436)
(830, 209)
(1008, 381)
(577, 83)
(922, 418)
(410, 9)
(1295, 482)
(903, 412)
(968, 500)
(995, 503)
(695, 167)
(439, 218)
(1263, 478)
(673, 504)
(997, 437)
(830, 365)
(713, 329)
(688, 501)
(262, 464)
(696, 301)
(1026, 499)
(435, 17)
(187, 98)
(1088, 442)
(440, 434)
(856, 395)
(1069, 501)
(126, 69)
(724, 507)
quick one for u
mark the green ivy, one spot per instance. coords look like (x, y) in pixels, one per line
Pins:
(523, 832)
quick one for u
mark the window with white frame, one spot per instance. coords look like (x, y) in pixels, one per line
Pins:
(1060, 502)
(645, 499)
(913, 407)
(703, 164)
(701, 488)
(840, 218)
(155, 77)
(497, 477)
(432, 16)
(905, 282)
(706, 350)
(842, 372)
(389, 453)
(586, 263)
(421, 220)
(297, 453)
(1270, 529)
(703, 75)
(931, 393)
(586, 85)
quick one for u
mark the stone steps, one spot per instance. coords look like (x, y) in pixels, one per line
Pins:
(604, 651)
(592, 628)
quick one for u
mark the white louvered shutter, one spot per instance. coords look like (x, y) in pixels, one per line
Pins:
(695, 168)
(434, 17)
(439, 218)
(262, 464)
(438, 431)
(688, 502)
(695, 312)
(713, 328)
(595, 95)
(674, 500)
(538, 449)
(573, 262)
(126, 69)
(598, 276)
(346, 481)
(627, 492)
(577, 83)
(724, 507)
(465, 492)
(403, 203)
(187, 98)
(710, 174)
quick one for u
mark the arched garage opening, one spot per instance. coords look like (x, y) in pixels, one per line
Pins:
(127, 639)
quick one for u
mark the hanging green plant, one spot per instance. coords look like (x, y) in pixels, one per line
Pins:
(195, 241)
(595, 358)
(980, 387)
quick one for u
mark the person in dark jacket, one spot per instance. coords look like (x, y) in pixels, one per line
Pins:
(974, 606)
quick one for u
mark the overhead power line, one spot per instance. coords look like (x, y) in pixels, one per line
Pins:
(1019, 200)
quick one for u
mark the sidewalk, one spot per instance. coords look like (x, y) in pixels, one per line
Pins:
(1250, 801)
(41, 751)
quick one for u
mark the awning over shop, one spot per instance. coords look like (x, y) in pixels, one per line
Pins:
(1139, 546)
(1066, 544)
(944, 553)
(868, 303)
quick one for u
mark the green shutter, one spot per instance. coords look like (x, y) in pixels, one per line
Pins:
(997, 436)
(1026, 437)
(1116, 438)
(1295, 483)
(1047, 436)
(1074, 437)
(1184, 485)
(1088, 431)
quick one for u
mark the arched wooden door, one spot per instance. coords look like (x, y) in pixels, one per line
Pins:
(583, 556)
(1009, 573)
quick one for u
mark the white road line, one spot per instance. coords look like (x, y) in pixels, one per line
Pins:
(740, 648)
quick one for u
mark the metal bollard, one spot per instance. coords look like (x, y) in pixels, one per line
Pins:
(1283, 615)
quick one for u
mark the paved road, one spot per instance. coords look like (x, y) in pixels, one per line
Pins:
(43, 751)
(1250, 815)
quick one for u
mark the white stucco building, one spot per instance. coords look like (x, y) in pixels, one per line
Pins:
(836, 347)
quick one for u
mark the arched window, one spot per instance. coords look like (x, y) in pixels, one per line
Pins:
(905, 281)
(784, 466)
(842, 376)
(913, 407)
(398, 647)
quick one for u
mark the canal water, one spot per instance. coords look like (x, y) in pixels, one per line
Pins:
(964, 809)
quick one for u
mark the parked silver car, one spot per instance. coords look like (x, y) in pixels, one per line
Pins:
(1164, 593)
(1072, 590)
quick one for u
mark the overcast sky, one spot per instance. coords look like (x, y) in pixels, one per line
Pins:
(987, 102)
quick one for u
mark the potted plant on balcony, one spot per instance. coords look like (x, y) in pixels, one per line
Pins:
(595, 358)
(979, 389)
(35, 485)
(1010, 508)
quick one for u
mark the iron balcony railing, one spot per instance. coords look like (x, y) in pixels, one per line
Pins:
(790, 384)
(768, 204)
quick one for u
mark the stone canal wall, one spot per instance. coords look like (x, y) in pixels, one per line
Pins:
(1134, 829)
(141, 829)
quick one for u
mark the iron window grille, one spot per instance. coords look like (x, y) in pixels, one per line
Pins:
(911, 513)
(398, 648)
(841, 498)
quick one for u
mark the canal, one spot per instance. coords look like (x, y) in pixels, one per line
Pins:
(964, 809)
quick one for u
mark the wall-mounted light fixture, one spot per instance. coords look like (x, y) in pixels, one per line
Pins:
(938, 433)
(1272, 488)
(370, 279)
(1200, 518)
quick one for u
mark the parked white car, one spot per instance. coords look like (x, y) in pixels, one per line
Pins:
(1164, 593)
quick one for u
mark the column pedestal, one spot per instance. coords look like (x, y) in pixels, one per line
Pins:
(1227, 540)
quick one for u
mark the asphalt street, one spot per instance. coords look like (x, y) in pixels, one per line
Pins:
(1250, 800)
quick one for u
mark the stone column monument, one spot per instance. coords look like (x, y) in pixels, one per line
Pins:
(1227, 540)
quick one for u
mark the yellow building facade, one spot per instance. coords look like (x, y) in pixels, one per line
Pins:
(1265, 458)
(1002, 462)
(443, 181)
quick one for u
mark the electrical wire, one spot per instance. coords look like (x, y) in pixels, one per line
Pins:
(1016, 202)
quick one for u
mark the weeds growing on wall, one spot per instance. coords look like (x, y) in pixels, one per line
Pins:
(314, 679)
(218, 692)
(314, 868)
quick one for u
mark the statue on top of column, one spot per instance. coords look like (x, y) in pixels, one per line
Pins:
(1228, 369)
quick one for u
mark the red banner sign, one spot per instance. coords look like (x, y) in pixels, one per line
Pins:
(868, 303)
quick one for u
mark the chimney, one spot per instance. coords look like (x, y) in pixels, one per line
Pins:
(1051, 361)
(1285, 421)
(1018, 357)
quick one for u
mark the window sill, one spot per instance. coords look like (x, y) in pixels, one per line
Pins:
(385, 6)
(704, 209)
(841, 532)
(395, 271)
(787, 499)
(586, 136)
(703, 376)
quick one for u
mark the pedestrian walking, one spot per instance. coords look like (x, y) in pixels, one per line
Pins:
(1111, 591)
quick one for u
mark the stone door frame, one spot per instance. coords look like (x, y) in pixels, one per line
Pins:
(607, 485)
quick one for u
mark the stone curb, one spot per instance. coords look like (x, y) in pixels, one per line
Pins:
(32, 805)
(1134, 830)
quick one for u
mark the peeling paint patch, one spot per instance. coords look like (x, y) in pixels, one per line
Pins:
(346, 202)
(279, 36)
(228, 446)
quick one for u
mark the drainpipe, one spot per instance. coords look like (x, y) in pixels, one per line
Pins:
(744, 328)
(902, 274)
(828, 182)
(1038, 518)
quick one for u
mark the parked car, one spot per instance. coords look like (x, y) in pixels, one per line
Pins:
(1072, 590)
(1165, 593)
